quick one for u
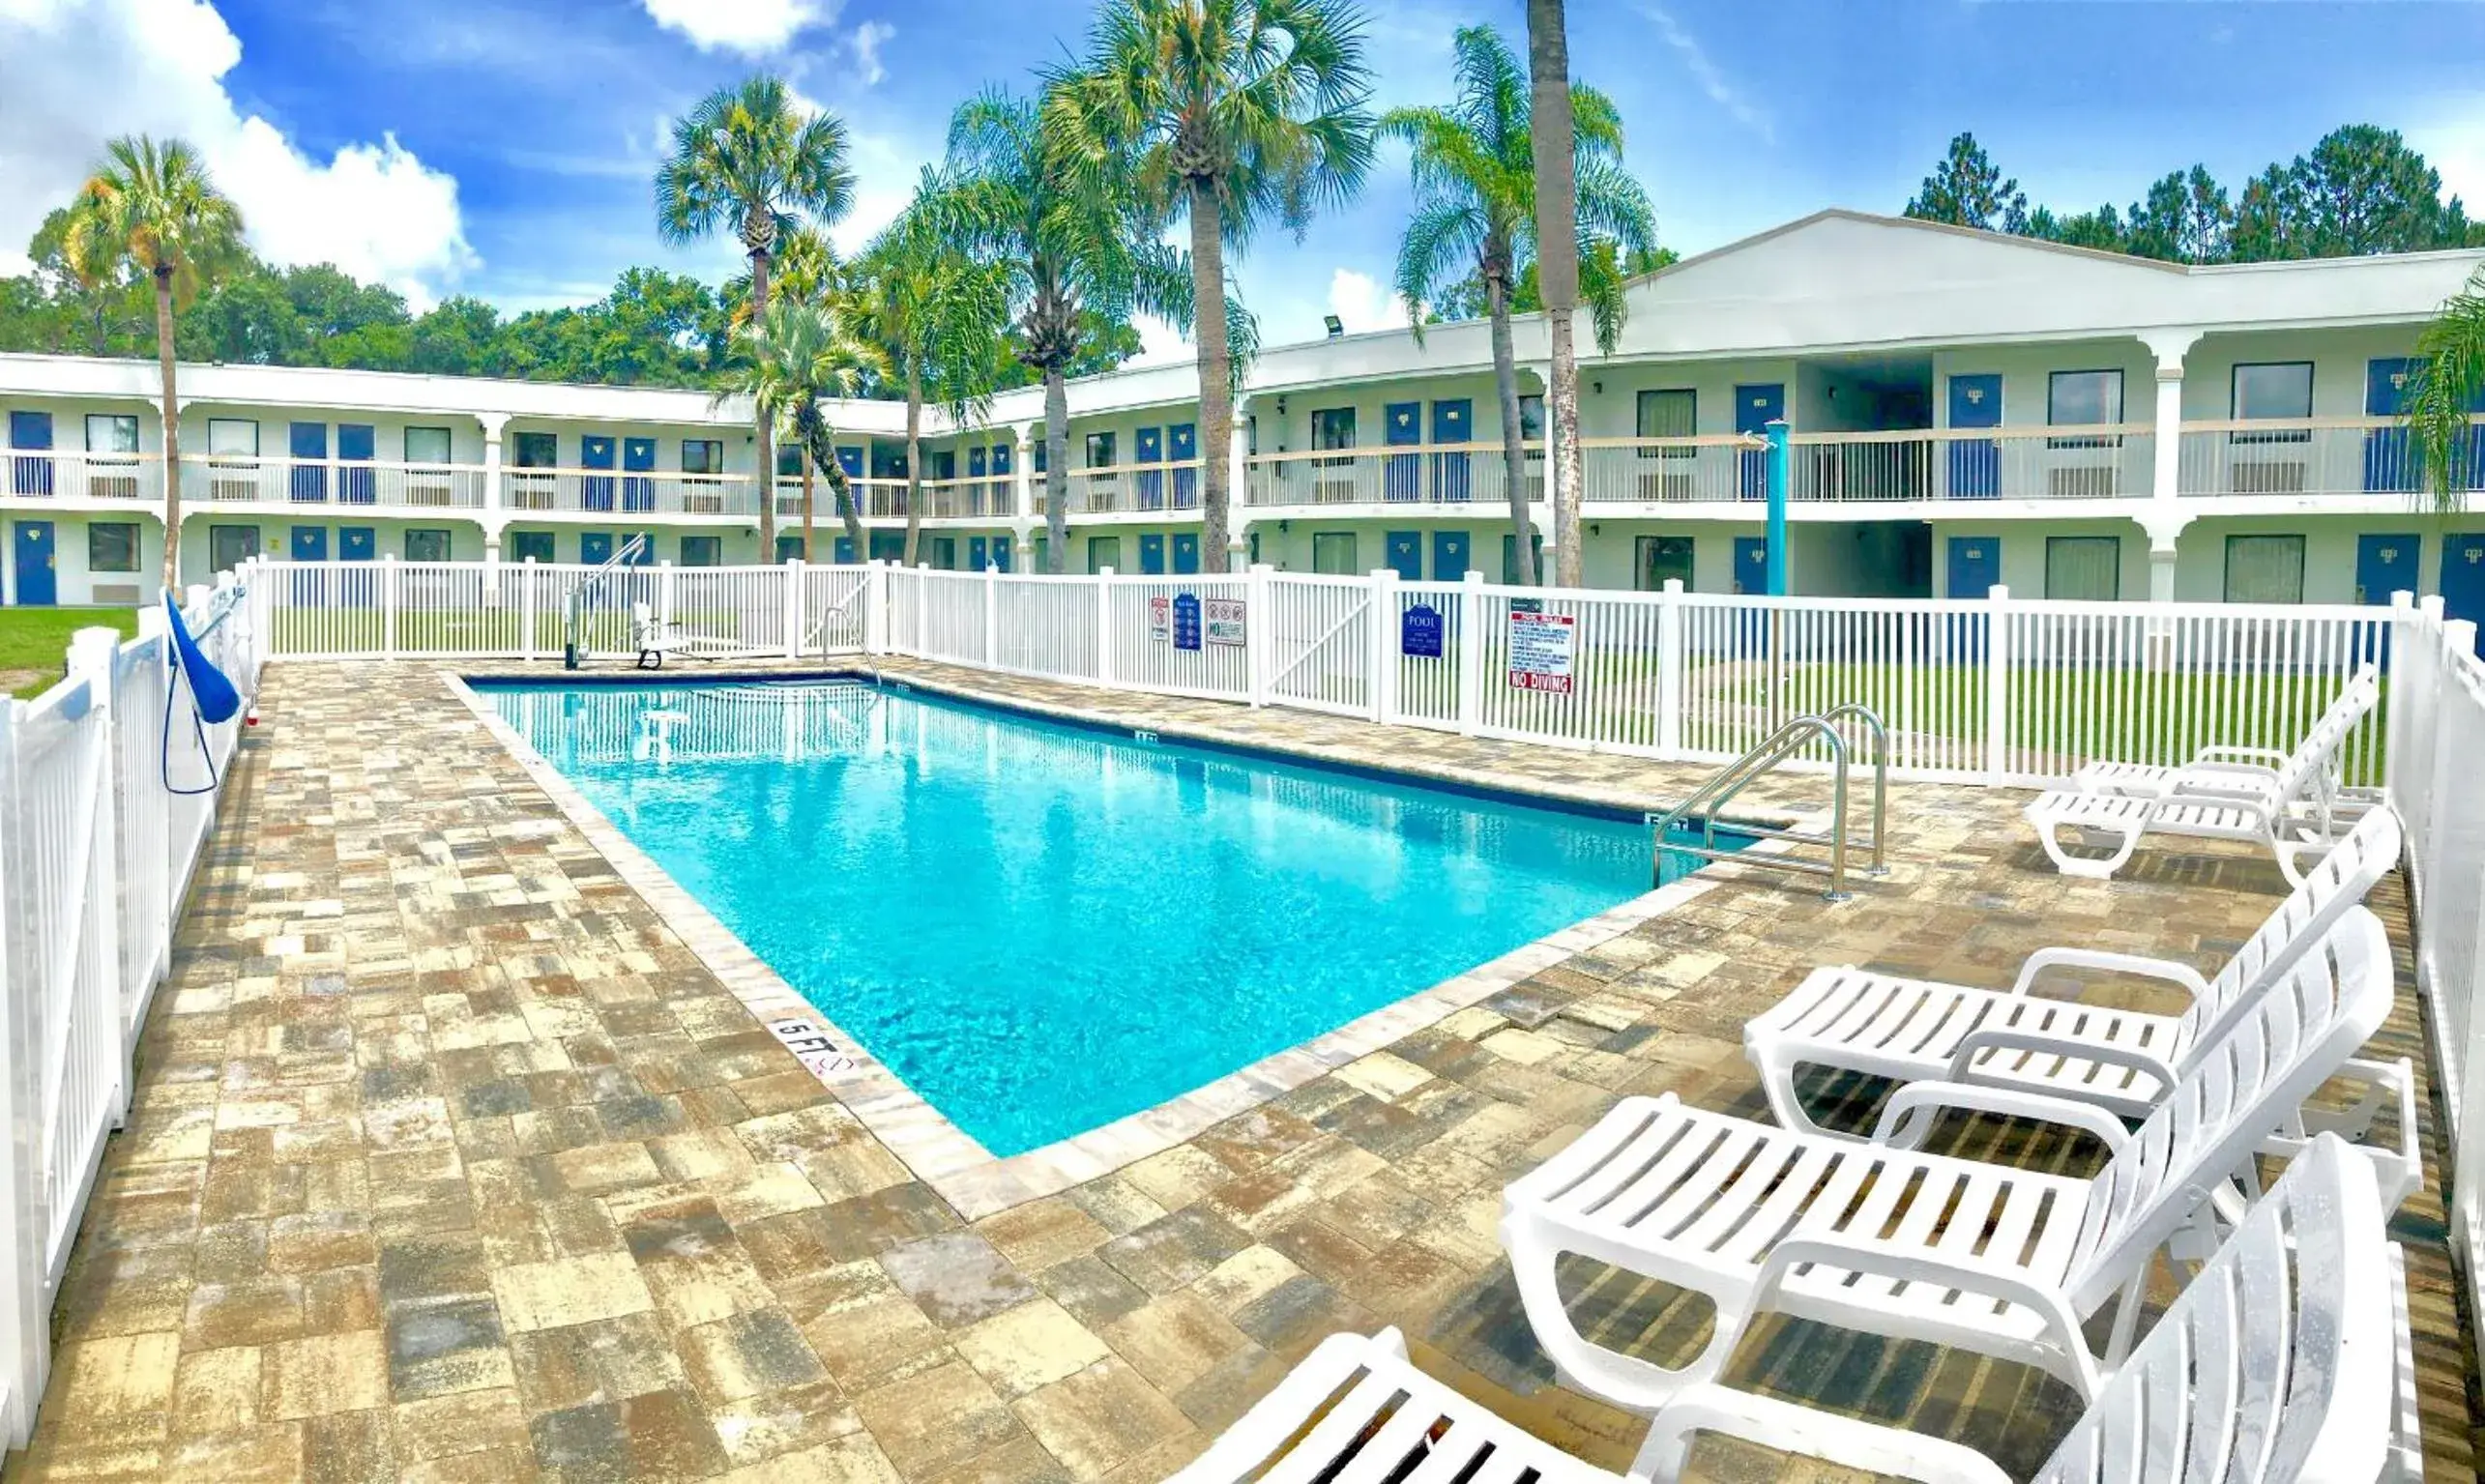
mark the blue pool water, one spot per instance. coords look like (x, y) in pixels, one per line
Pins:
(1043, 928)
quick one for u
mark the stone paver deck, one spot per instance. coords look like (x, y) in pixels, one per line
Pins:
(451, 1160)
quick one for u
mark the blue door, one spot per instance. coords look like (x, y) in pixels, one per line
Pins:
(1450, 561)
(974, 553)
(595, 491)
(644, 553)
(1001, 552)
(30, 430)
(978, 462)
(356, 543)
(2389, 461)
(638, 456)
(37, 584)
(1185, 553)
(595, 547)
(1181, 445)
(1149, 448)
(1756, 407)
(309, 441)
(2462, 577)
(1452, 422)
(309, 543)
(1975, 565)
(1402, 474)
(845, 550)
(1751, 563)
(355, 445)
(2386, 564)
(1152, 555)
(1975, 463)
(1405, 550)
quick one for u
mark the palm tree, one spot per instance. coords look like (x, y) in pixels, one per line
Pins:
(747, 155)
(802, 355)
(1225, 111)
(803, 267)
(937, 313)
(151, 208)
(2449, 388)
(1548, 58)
(1075, 253)
(1475, 213)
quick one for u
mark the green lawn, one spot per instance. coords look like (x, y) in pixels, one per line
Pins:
(33, 642)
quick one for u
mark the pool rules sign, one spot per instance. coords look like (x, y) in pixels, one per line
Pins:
(1542, 645)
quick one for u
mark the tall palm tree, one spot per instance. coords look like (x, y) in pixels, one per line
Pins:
(1475, 187)
(937, 312)
(803, 267)
(802, 355)
(1075, 253)
(1227, 112)
(747, 156)
(2448, 391)
(1548, 59)
(151, 208)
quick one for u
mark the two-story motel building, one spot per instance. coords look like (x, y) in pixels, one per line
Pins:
(1967, 410)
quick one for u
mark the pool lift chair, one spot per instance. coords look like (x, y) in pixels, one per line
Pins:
(575, 602)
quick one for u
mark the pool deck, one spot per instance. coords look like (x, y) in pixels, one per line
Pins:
(452, 1159)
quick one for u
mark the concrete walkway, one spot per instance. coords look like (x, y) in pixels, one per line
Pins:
(451, 1161)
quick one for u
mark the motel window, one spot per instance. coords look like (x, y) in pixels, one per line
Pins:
(1673, 413)
(1103, 551)
(1510, 556)
(710, 550)
(108, 432)
(1532, 417)
(1251, 437)
(1099, 450)
(112, 546)
(789, 460)
(1659, 558)
(538, 450)
(941, 464)
(426, 446)
(2273, 390)
(529, 547)
(229, 546)
(2084, 569)
(233, 437)
(1333, 552)
(422, 544)
(945, 553)
(2264, 569)
(1043, 447)
(2083, 399)
(1333, 427)
(703, 455)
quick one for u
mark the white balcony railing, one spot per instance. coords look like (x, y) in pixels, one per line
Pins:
(219, 479)
(2105, 461)
(40, 474)
(2311, 457)
(990, 498)
(1134, 488)
(1408, 473)
(595, 491)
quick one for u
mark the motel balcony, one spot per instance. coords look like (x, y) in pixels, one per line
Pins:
(1132, 489)
(596, 491)
(1446, 475)
(985, 499)
(229, 480)
(2324, 457)
(70, 476)
(1912, 466)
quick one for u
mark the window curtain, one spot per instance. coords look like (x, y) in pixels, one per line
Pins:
(2084, 569)
(2264, 569)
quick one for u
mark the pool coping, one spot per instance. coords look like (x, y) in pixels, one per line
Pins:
(940, 1154)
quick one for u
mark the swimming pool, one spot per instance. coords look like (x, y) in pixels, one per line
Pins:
(1041, 928)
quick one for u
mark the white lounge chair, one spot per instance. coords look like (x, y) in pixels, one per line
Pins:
(2276, 1364)
(1906, 1029)
(2238, 773)
(1925, 1246)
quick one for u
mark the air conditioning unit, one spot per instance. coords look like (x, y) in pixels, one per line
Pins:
(1655, 486)
(2266, 477)
(112, 487)
(1335, 491)
(421, 491)
(119, 594)
(2084, 481)
(714, 504)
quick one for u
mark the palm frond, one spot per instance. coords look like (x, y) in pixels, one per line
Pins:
(2446, 395)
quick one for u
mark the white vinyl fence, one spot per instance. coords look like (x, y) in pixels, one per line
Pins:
(100, 835)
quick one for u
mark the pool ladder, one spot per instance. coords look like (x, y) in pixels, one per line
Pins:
(573, 602)
(1701, 810)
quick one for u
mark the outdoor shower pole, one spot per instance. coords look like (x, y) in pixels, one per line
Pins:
(1777, 483)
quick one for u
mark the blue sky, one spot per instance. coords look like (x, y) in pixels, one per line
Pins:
(504, 148)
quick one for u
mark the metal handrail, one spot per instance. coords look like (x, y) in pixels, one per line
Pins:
(1779, 746)
(573, 602)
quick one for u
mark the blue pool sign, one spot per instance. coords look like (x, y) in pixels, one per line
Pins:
(1420, 632)
(1185, 620)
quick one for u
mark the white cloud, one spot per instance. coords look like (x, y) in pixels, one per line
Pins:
(1360, 303)
(78, 72)
(885, 169)
(1160, 343)
(2454, 142)
(752, 27)
(1705, 72)
(868, 37)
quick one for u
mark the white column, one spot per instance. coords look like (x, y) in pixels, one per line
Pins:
(2166, 519)
(494, 497)
(1238, 473)
(1022, 499)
